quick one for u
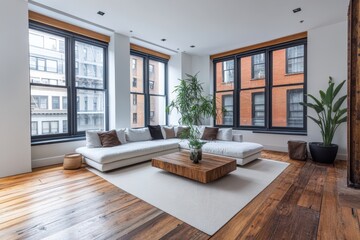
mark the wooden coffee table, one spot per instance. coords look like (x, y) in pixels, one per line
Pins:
(210, 168)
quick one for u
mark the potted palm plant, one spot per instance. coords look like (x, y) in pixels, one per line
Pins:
(193, 106)
(329, 116)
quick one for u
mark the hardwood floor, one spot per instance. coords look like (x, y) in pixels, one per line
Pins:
(307, 201)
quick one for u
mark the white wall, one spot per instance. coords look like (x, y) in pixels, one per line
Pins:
(15, 89)
(119, 81)
(174, 74)
(327, 56)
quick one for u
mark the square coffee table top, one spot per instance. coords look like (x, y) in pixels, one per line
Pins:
(210, 168)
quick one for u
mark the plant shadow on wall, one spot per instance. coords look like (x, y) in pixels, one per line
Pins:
(193, 106)
(329, 117)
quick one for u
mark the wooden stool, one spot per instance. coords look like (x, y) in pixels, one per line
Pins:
(72, 161)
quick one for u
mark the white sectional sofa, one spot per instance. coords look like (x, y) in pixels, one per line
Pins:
(132, 152)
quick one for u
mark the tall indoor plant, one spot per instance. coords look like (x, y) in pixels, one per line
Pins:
(193, 106)
(329, 117)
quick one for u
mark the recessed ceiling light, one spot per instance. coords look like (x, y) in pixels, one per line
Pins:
(301, 21)
(101, 13)
(163, 39)
(297, 10)
(192, 46)
(178, 49)
(131, 30)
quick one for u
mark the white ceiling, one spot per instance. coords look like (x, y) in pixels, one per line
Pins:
(211, 25)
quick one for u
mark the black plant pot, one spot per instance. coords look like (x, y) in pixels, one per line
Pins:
(323, 154)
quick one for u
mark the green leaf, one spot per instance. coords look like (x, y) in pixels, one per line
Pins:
(338, 103)
(342, 120)
(338, 88)
(329, 94)
(315, 99)
(323, 96)
(341, 112)
(318, 109)
(318, 122)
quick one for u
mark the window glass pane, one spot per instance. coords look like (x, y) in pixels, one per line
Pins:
(90, 66)
(156, 77)
(45, 62)
(252, 107)
(286, 110)
(252, 68)
(225, 75)
(157, 114)
(286, 62)
(90, 110)
(224, 108)
(137, 108)
(45, 108)
(136, 74)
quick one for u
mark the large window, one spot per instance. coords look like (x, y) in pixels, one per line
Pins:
(68, 90)
(267, 88)
(148, 95)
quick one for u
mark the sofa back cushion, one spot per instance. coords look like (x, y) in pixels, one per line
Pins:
(109, 139)
(155, 132)
(225, 134)
(210, 133)
(92, 139)
(121, 135)
(169, 132)
(183, 132)
(138, 134)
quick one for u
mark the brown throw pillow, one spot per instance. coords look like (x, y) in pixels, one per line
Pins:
(169, 132)
(183, 132)
(109, 139)
(210, 133)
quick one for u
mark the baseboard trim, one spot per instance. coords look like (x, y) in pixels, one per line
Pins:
(340, 156)
(43, 162)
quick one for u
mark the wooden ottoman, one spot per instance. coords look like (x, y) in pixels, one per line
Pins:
(72, 161)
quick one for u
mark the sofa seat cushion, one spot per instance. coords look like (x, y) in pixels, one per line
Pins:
(129, 150)
(228, 148)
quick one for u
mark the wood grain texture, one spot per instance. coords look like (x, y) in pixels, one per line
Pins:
(207, 170)
(285, 39)
(37, 17)
(307, 201)
(149, 51)
(353, 123)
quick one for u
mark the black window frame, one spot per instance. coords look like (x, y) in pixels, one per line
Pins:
(268, 128)
(146, 83)
(70, 38)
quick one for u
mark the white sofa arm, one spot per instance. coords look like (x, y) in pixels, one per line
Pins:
(237, 138)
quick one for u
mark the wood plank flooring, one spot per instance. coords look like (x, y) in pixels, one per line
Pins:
(307, 201)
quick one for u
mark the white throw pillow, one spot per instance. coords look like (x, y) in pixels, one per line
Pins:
(224, 134)
(121, 135)
(138, 134)
(92, 139)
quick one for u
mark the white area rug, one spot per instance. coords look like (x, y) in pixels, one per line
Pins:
(204, 206)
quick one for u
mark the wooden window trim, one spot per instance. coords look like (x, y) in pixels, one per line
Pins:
(37, 17)
(141, 49)
(286, 39)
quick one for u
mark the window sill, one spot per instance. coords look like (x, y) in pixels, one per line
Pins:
(59, 140)
(291, 74)
(281, 132)
(255, 79)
